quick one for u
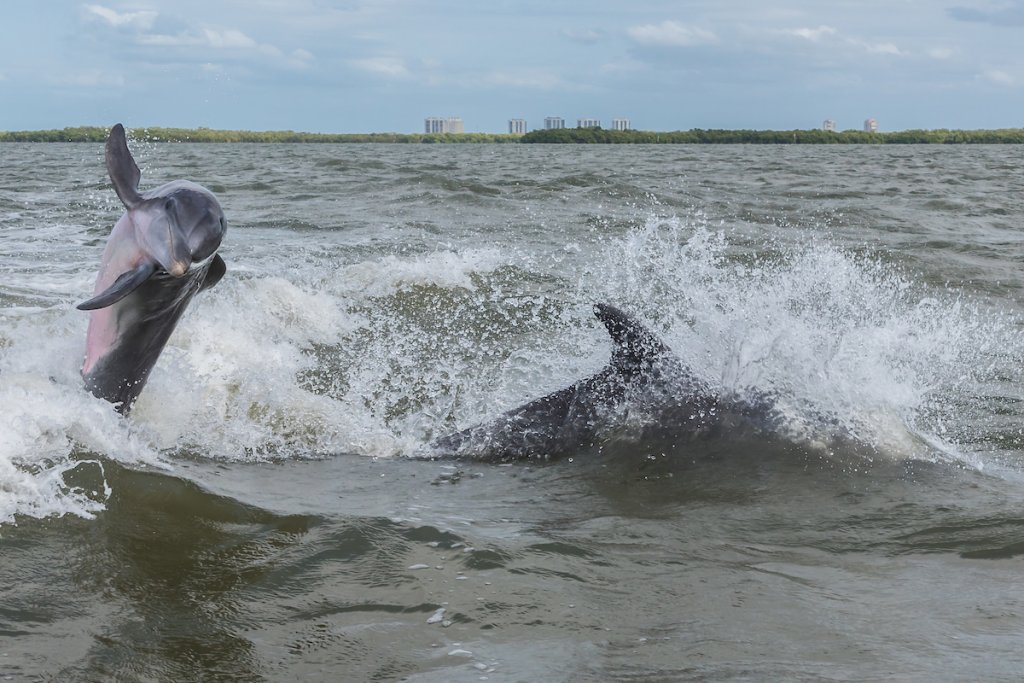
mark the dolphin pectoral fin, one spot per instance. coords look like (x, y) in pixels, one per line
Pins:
(121, 167)
(215, 273)
(124, 285)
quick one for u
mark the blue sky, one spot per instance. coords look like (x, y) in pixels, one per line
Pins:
(384, 65)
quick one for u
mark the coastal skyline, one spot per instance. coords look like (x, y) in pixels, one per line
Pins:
(361, 66)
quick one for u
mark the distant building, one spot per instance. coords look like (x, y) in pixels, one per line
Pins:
(517, 126)
(871, 125)
(553, 122)
(437, 124)
(588, 123)
(621, 124)
(455, 125)
(829, 125)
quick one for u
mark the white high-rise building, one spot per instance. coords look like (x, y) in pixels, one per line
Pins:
(437, 124)
(871, 125)
(517, 126)
(553, 122)
(588, 123)
(621, 124)
(829, 125)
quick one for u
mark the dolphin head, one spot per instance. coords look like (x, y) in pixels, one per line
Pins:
(180, 224)
(167, 229)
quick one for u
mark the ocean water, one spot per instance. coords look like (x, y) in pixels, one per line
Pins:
(260, 517)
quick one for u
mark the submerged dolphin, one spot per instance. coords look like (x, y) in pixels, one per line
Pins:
(643, 375)
(160, 253)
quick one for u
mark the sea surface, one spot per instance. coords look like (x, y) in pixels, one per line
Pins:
(261, 516)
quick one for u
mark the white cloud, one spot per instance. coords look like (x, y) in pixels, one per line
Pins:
(388, 67)
(535, 79)
(999, 77)
(812, 34)
(140, 26)
(880, 48)
(585, 36)
(817, 35)
(623, 66)
(943, 53)
(227, 39)
(94, 78)
(141, 21)
(671, 33)
(218, 40)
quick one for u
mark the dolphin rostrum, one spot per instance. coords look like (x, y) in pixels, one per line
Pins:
(643, 375)
(161, 252)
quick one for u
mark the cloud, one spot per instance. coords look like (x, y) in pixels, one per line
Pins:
(141, 21)
(671, 34)
(1009, 13)
(879, 48)
(532, 79)
(93, 78)
(998, 77)
(943, 53)
(817, 35)
(209, 38)
(812, 34)
(623, 67)
(149, 29)
(584, 36)
(388, 67)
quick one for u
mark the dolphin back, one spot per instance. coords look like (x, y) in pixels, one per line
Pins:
(571, 418)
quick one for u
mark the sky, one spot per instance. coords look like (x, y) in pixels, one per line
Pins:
(351, 66)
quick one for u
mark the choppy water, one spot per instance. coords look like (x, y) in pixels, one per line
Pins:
(257, 517)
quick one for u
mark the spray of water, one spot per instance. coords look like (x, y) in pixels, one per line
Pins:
(374, 357)
(851, 347)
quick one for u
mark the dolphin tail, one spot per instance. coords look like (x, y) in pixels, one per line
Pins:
(124, 285)
(121, 167)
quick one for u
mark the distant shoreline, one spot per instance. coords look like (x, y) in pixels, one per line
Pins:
(560, 136)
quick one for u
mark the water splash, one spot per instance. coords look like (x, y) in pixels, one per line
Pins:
(377, 355)
(850, 344)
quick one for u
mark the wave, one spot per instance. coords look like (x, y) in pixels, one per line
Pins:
(375, 356)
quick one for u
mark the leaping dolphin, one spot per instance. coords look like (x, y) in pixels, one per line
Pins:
(160, 253)
(643, 374)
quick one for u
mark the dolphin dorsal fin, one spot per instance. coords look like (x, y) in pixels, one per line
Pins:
(121, 167)
(635, 345)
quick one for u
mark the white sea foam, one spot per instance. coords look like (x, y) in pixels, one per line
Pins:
(331, 357)
(446, 268)
(48, 423)
(848, 343)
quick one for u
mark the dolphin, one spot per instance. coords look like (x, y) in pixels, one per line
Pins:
(643, 375)
(160, 254)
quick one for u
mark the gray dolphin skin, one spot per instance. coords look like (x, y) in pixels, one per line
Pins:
(160, 254)
(643, 375)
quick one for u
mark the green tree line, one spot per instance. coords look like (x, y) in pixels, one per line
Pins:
(564, 136)
(698, 136)
(99, 134)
